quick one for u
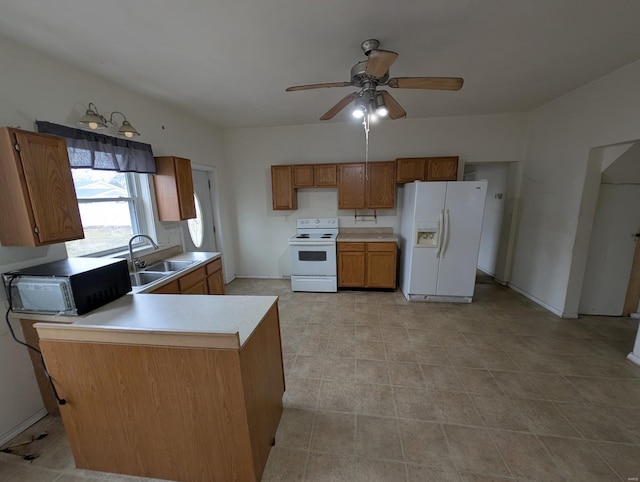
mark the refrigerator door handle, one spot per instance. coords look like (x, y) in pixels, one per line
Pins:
(440, 231)
(446, 233)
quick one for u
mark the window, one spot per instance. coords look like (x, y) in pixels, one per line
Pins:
(111, 210)
(195, 225)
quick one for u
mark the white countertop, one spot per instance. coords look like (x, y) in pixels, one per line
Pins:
(167, 320)
(171, 320)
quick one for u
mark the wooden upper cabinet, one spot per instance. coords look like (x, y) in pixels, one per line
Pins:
(283, 196)
(326, 175)
(411, 169)
(381, 185)
(303, 175)
(351, 186)
(442, 169)
(174, 189)
(38, 203)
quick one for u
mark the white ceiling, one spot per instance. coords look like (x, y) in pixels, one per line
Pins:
(231, 60)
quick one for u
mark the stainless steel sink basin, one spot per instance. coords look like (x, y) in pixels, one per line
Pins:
(168, 266)
(142, 278)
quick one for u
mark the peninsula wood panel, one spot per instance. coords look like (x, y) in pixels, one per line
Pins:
(38, 203)
(46, 392)
(263, 382)
(167, 413)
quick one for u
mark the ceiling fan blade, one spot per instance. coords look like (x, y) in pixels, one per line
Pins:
(436, 83)
(317, 86)
(379, 62)
(395, 110)
(339, 106)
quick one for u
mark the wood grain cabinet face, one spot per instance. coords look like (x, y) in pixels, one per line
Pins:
(283, 196)
(381, 185)
(351, 186)
(174, 189)
(410, 169)
(325, 175)
(38, 203)
(442, 169)
(367, 265)
(303, 176)
(206, 280)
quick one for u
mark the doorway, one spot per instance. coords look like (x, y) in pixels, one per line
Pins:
(199, 234)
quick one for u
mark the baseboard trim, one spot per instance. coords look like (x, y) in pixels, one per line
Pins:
(5, 437)
(538, 301)
(634, 358)
(261, 277)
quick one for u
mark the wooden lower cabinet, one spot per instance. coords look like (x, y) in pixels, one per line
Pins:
(172, 412)
(206, 280)
(367, 265)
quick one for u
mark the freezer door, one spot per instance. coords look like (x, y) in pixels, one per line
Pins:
(423, 276)
(463, 212)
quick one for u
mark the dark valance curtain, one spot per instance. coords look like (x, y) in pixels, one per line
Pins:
(90, 150)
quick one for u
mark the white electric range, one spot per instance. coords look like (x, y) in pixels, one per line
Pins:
(313, 255)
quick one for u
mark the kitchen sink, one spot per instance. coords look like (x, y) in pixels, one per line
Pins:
(168, 266)
(141, 278)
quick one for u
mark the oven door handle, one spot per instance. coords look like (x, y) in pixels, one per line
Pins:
(312, 243)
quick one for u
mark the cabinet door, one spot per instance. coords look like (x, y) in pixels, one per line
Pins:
(171, 288)
(326, 175)
(184, 183)
(351, 186)
(442, 169)
(282, 193)
(197, 289)
(381, 185)
(215, 284)
(410, 169)
(174, 189)
(351, 266)
(381, 268)
(47, 173)
(303, 176)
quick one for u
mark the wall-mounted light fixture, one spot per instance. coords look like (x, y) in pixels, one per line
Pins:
(94, 120)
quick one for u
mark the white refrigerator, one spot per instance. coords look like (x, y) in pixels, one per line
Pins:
(440, 239)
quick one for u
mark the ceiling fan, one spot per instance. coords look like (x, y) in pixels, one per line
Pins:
(368, 75)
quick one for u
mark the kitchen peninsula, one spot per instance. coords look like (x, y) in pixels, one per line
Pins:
(170, 386)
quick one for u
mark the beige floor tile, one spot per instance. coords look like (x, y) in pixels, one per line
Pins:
(402, 352)
(343, 347)
(295, 427)
(416, 404)
(406, 374)
(604, 422)
(500, 412)
(285, 465)
(623, 459)
(430, 474)
(306, 366)
(517, 385)
(301, 393)
(370, 350)
(545, 418)
(433, 355)
(339, 369)
(424, 443)
(578, 460)
(472, 449)
(478, 381)
(456, 407)
(526, 457)
(555, 387)
(333, 433)
(378, 438)
(372, 470)
(372, 371)
(338, 395)
(330, 468)
(368, 333)
(24, 473)
(374, 400)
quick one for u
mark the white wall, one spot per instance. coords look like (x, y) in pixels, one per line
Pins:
(496, 175)
(611, 250)
(35, 86)
(559, 193)
(263, 233)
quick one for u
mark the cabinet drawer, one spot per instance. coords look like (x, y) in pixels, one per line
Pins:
(350, 246)
(381, 246)
(171, 288)
(214, 266)
(188, 280)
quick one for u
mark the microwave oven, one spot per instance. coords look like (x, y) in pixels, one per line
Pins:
(71, 286)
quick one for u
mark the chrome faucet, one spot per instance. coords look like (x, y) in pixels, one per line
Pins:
(135, 262)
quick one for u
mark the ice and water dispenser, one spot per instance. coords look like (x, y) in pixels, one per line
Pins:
(427, 234)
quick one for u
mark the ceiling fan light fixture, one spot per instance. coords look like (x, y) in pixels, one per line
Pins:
(381, 108)
(359, 108)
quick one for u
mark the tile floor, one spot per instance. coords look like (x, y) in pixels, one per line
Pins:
(379, 389)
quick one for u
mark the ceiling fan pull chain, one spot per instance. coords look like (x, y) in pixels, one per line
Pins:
(365, 123)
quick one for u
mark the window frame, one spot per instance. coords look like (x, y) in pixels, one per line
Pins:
(137, 212)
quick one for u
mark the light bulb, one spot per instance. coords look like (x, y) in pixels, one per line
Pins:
(373, 117)
(128, 134)
(357, 113)
(382, 111)
(93, 125)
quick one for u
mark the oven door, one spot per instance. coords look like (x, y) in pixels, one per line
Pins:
(313, 258)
